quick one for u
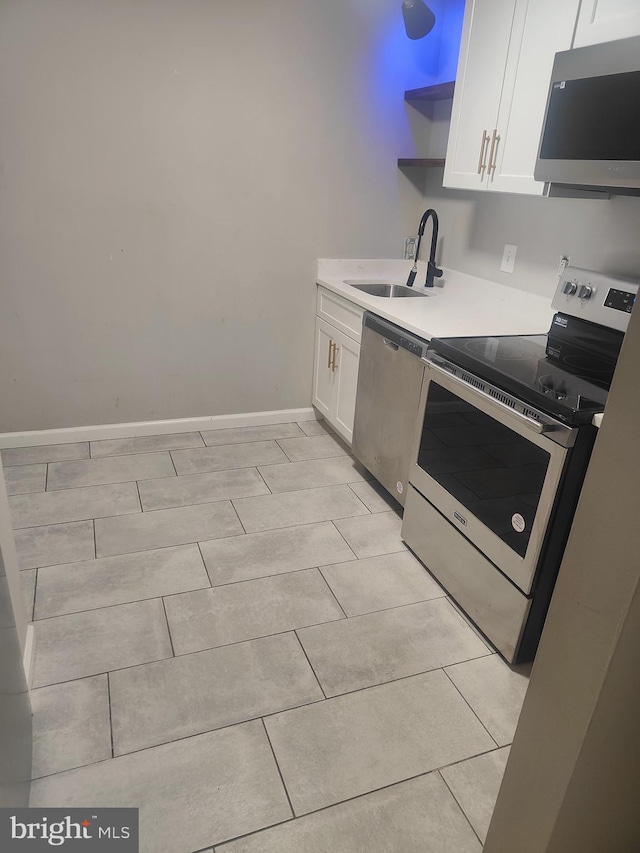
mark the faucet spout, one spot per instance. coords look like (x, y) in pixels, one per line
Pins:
(432, 270)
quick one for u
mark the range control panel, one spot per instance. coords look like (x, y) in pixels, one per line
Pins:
(596, 297)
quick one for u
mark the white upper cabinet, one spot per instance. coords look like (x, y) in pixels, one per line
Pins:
(506, 57)
(484, 49)
(607, 20)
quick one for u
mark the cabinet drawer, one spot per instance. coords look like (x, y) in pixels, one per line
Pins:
(341, 313)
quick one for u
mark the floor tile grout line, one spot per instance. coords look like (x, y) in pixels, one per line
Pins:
(468, 621)
(126, 554)
(173, 461)
(122, 604)
(244, 529)
(187, 506)
(183, 737)
(110, 715)
(260, 636)
(275, 758)
(46, 477)
(276, 574)
(391, 680)
(380, 609)
(467, 701)
(355, 556)
(35, 592)
(204, 566)
(398, 782)
(219, 845)
(283, 450)
(315, 674)
(263, 719)
(166, 619)
(388, 507)
(263, 479)
(110, 483)
(459, 804)
(198, 652)
(199, 544)
(332, 592)
(95, 545)
(139, 496)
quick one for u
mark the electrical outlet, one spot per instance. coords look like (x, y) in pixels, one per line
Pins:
(508, 258)
(565, 260)
(410, 248)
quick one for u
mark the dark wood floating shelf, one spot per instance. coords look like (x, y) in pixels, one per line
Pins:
(418, 161)
(439, 92)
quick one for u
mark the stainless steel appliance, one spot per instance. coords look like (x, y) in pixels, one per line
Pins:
(504, 439)
(591, 130)
(389, 383)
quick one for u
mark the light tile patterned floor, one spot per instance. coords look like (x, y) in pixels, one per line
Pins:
(231, 635)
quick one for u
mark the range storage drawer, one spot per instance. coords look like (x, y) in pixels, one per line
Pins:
(495, 605)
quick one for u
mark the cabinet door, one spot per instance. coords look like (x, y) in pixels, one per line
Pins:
(324, 378)
(607, 20)
(541, 28)
(347, 360)
(483, 56)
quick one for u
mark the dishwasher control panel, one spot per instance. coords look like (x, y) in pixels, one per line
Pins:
(395, 335)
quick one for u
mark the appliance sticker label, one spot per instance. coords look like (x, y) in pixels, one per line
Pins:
(491, 349)
(517, 522)
(399, 487)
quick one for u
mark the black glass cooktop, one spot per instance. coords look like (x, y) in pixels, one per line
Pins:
(555, 377)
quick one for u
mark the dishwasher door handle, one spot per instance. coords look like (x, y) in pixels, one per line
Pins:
(390, 344)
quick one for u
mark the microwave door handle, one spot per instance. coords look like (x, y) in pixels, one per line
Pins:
(530, 423)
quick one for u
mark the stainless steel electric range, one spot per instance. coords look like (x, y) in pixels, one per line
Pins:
(504, 438)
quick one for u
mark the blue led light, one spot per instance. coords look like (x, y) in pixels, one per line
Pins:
(408, 64)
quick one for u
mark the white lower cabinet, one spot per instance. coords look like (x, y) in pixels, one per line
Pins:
(335, 373)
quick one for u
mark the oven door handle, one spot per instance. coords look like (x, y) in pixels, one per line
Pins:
(530, 423)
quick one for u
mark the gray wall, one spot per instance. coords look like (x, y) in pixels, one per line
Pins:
(171, 170)
(601, 235)
(15, 710)
(571, 784)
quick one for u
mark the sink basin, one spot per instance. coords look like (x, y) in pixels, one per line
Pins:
(385, 289)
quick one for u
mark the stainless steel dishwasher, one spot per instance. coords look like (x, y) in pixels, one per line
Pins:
(389, 384)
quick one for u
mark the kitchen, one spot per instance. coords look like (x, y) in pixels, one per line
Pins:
(143, 156)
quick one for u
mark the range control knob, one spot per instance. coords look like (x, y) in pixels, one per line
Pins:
(585, 291)
(569, 288)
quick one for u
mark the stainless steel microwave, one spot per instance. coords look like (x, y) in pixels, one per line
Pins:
(591, 130)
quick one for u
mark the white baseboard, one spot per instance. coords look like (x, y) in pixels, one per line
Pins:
(29, 653)
(69, 435)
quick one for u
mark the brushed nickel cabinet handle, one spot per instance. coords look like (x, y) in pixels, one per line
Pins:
(483, 146)
(494, 152)
(330, 348)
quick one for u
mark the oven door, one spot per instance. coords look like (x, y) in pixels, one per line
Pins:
(491, 471)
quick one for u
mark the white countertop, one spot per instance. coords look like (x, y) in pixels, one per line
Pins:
(457, 306)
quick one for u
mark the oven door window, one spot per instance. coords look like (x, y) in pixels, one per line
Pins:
(495, 473)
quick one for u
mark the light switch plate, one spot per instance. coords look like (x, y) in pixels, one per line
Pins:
(508, 257)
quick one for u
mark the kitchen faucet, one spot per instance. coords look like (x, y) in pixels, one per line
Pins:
(432, 269)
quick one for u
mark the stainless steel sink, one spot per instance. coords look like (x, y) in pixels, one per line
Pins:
(379, 288)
